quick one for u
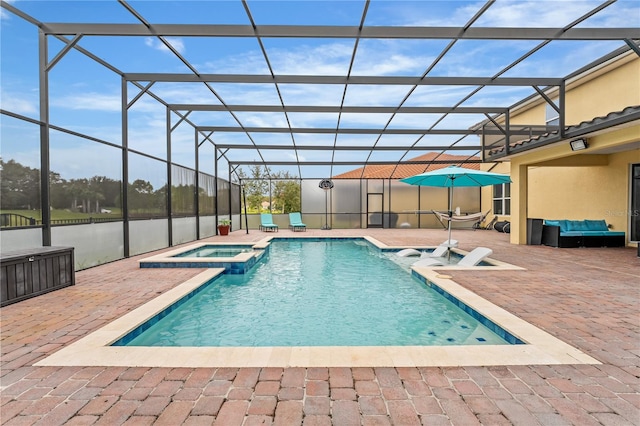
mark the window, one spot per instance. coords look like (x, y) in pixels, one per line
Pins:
(552, 117)
(502, 199)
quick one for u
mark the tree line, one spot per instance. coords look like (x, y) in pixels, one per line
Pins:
(20, 190)
(268, 191)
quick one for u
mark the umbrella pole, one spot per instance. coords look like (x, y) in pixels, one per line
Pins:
(450, 217)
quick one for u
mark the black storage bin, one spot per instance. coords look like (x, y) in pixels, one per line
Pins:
(534, 232)
(29, 273)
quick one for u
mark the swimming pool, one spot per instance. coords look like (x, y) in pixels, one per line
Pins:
(214, 251)
(96, 349)
(318, 292)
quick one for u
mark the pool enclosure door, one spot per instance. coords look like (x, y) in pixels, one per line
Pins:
(375, 211)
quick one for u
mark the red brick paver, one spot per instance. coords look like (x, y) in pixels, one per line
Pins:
(587, 297)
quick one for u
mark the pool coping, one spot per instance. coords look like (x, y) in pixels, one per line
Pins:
(541, 348)
(237, 264)
(494, 264)
(242, 262)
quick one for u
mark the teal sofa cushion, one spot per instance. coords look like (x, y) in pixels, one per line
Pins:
(596, 225)
(591, 233)
(594, 233)
(571, 233)
(575, 233)
(613, 234)
(578, 228)
(576, 225)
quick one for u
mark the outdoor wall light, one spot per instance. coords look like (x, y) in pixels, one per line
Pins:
(578, 144)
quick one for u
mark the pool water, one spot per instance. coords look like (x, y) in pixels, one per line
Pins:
(316, 293)
(213, 251)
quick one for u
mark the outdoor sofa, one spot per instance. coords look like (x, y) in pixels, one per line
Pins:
(580, 233)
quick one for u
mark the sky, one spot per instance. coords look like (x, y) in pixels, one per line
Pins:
(85, 97)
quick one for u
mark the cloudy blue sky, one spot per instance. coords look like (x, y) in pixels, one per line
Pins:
(85, 96)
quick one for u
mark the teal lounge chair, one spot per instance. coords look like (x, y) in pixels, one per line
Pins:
(266, 222)
(295, 222)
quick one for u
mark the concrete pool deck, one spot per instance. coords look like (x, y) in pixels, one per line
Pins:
(588, 298)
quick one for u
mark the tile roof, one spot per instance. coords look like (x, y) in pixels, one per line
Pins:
(402, 170)
(627, 115)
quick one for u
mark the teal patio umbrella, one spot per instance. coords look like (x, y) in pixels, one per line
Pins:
(452, 176)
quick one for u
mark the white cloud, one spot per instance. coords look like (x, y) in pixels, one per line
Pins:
(304, 119)
(15, 103)
(189, 93)
(379, 58)
(89, 101)
(521, 13)
(389, 63)
(292, 156)
(3, 14)
(532, 14)
(267, 119)
(108, 102)
(620, 14)
(421, 16)
(249, 62)
(327, 59)
(254, 94)
(175, 42)
(331, 57)
(562, 58)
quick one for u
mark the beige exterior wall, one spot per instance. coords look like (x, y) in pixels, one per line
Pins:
(583, 192)
(535, 115)
(559, 184)
(613, 90)
(554, 182)
(612, 87)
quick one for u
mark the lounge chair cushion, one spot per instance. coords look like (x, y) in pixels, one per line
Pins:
(408, 252)
(473, 258)
(266, 222)
(430, 262)
(295, 222)
(439, 251)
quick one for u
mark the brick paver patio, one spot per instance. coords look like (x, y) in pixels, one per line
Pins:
(588, 298)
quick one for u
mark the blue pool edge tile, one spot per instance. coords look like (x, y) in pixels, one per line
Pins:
(495, 328)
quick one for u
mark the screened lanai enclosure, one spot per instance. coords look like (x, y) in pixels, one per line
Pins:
(373, 203)
(131, 126)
